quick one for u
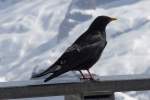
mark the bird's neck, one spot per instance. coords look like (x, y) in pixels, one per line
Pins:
(103, 34)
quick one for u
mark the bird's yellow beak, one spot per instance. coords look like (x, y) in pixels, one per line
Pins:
(112, 18)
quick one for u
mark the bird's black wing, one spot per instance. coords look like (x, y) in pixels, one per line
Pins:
(71, 57)
(82, 50)
(78, 53)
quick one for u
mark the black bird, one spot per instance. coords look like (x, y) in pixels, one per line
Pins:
(83, 53)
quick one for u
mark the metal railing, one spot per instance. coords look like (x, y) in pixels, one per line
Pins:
(103, 89)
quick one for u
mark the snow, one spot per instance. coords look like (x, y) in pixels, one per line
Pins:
(34, 34)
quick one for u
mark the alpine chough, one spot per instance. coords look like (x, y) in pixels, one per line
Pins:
(83, 53)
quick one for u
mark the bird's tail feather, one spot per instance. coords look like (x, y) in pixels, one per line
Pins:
(53, 75)
(47, 71)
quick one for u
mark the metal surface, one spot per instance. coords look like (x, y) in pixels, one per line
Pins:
(106, 85)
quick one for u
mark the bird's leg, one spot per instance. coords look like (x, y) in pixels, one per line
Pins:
(91, 77)
(83, 77)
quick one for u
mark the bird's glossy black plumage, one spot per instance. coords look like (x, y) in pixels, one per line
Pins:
(83, 53)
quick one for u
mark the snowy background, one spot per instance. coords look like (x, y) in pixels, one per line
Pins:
(34, 33)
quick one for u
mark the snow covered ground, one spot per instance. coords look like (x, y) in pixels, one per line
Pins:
(34, 33)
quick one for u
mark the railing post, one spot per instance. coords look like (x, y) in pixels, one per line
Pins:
(96, 96)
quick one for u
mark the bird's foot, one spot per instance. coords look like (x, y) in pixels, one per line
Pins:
(87, 77)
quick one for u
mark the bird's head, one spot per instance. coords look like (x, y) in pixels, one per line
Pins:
(101, 22)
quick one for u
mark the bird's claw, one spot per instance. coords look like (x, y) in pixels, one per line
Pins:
(86, 78)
